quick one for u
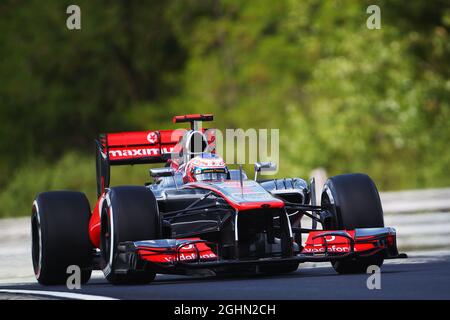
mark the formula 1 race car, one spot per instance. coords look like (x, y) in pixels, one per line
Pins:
(200, 217)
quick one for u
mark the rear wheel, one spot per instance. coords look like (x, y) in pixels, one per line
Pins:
(354, 201)
(129, 213)
(59, 236)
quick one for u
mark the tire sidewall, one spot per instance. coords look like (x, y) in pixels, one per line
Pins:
(349, 215)
(55, 250)
(342, 209)
(36, 236)
(108, 263)
(112, 206)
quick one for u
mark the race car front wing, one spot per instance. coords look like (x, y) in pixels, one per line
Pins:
(177, 256)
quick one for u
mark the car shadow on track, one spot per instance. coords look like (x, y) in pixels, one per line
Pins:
(240, 277)
(316, 272)
(181, 279)
(321, 272)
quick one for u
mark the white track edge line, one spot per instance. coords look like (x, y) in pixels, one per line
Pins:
(58, 294)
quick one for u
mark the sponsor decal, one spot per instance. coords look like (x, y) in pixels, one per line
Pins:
(192, 256)
(152, 137)
(133, 153)
(332, 249)
(188, 252)
(167, 150)
(189, 255)
(328, 239)
(185, 257)
(335, 244)
(210, 170)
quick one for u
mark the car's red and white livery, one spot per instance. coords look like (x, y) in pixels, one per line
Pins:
(199, 217)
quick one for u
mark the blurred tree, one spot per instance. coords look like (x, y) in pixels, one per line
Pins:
(344, 97)
(60, 87)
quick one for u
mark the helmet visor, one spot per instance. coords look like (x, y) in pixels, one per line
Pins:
(208, 174)
(211, 176)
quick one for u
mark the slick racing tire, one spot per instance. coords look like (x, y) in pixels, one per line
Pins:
(60, 236)
(354, 201)
(129, 213)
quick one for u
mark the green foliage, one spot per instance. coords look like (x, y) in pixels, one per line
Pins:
(74, 171)
(344, 97)
(60, 88)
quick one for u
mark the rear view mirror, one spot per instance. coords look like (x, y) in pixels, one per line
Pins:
(162, 172)
(264, 167)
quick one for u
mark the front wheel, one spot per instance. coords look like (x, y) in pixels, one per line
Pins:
(129, 213)
(354, 201)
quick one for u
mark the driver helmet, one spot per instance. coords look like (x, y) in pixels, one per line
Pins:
(206, 167)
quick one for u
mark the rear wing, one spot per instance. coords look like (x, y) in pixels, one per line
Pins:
(140, 147)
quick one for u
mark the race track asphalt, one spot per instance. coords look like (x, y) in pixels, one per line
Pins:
(417, 277)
